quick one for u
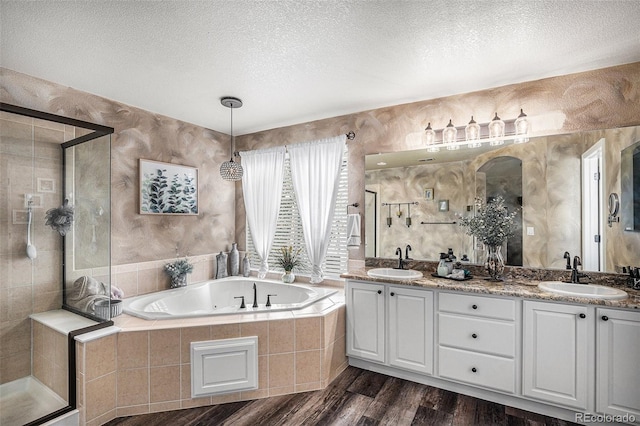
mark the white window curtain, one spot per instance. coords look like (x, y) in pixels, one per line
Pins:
(315, 172)
(262, 191)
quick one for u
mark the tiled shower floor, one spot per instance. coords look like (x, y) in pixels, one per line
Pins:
(25, 400)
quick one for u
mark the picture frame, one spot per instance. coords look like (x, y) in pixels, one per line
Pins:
(443, 205)
(167, 188)
(428, 194)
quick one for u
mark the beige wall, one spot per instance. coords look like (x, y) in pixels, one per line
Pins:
(143, 134)
(600, 99)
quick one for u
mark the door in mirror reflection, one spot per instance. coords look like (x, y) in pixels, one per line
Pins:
(502, 176)
(592, 208)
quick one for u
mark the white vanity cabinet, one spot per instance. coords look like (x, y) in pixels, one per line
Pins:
(394, 320)
(411, 329)
(618, 362)
(366, 321)
(477, 340)
(555, 353)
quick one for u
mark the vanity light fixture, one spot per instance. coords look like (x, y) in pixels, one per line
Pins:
(230, 170)
(496, 132)
(450, 136)
(430, 139)
(522, 128)
(472, 134)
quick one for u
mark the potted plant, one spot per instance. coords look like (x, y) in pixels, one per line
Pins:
(288, 260)
(492, 224)
(178, 271)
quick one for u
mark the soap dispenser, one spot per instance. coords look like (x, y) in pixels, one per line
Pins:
(443, 269)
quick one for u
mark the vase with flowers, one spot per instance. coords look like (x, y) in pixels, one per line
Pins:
(288, 260)
(492, 224)
(177, 271)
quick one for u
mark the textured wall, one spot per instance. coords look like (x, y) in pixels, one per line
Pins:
(599, 99)
(142, 134)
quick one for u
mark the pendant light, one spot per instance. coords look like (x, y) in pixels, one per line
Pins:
(230, 170)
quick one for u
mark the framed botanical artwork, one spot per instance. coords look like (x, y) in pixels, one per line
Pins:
(428, 194)
(168, 188)
(443, 205)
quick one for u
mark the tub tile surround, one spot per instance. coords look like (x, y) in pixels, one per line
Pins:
(146, 366)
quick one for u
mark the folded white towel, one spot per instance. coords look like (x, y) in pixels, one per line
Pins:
(353, 230)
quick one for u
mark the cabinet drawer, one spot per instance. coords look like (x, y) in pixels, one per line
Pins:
(477, 334)
(481, 306)
(490, 371)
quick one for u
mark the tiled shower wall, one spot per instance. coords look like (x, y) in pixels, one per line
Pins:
(30, 157)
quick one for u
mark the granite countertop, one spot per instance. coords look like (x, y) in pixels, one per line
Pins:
(516, 287)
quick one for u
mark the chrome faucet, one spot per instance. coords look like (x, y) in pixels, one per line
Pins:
(575, 275)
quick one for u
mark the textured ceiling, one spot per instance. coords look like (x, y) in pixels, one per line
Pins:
(297, 61)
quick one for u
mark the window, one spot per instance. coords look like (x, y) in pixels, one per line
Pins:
(289, 228)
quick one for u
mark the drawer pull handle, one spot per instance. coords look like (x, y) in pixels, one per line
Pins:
(474, 306)
(605, 318)
(393, 294)
(582, 316)
(379, 291)
(475, 370)
(474, 335)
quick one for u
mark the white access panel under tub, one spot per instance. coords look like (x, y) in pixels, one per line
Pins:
(223, 366)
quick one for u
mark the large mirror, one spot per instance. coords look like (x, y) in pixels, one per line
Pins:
(559, 184)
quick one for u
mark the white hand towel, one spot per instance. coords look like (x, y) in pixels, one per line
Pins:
(353, 230)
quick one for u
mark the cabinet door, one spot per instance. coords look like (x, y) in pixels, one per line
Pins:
(411, 329)
(365, 321)
(617, 363)
(555, 353)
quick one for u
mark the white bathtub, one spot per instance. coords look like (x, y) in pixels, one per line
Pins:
(218, 297)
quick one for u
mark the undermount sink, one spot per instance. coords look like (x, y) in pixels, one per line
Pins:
(395, 274)
(587, 291)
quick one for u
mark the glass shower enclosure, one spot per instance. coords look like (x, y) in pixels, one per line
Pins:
(55, 232)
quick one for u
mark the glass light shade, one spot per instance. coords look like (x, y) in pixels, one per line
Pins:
(230, 170)
(522, 127)
(496, 131)
(450, 133)
(430, 139)
(472, 133)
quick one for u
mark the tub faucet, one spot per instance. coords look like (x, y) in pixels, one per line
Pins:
(255, 296)
(575, 275)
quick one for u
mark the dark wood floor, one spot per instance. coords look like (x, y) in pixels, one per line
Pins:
(356, 397)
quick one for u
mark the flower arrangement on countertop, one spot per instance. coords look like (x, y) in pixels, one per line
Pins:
(60, 218)
(288, 258)
(178, 268)
(492, 224)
